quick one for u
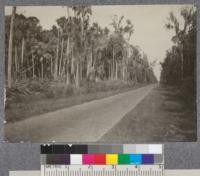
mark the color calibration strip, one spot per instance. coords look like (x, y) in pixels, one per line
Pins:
(102, 160)
(93, 149)
(102, 154)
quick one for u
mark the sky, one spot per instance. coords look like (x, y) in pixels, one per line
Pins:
(149, 22)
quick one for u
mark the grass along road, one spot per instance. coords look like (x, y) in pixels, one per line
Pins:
(87, 122)
(20, 106)
(159, 117)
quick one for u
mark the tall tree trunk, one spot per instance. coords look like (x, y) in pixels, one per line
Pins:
(10, 48)
(81, 71)
(16, 61)
(61, 58)
(113, 63)
(123, 68)
(39, 74)
(89, 64)
(72, 63)
(116, 70)
(77, 81)
(67, 61)
(56, 60)
(109, 72)
(181, 46)
(135, 76)
(33, 66)
(126, 74)
(123, 73)
(79, 61)
(68, 81)
(16, 64)
(22, 52)
(51, 65)
(42, 69)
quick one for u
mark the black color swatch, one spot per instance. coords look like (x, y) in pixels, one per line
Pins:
(64, 149)
(61, 159)
(46, 149)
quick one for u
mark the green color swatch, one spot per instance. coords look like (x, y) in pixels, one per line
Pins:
(123, 159)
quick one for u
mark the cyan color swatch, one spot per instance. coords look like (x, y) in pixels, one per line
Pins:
(135, 159)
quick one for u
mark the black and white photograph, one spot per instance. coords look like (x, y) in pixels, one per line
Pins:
(100, 74)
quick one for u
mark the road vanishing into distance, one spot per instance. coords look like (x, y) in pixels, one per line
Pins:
(86, 122)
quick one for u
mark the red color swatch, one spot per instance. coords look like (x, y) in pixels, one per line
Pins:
(99, 159)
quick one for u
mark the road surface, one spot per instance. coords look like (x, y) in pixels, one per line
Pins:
(86, 122)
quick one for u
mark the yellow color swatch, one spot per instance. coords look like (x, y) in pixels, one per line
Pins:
(111, 159)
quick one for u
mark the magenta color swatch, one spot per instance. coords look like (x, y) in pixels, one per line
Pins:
(88, 158)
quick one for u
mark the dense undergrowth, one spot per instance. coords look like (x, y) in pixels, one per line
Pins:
(30, 98)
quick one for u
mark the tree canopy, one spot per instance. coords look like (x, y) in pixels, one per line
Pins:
(76, 51)
(179, 65)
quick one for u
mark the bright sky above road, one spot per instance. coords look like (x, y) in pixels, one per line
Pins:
(148, 20)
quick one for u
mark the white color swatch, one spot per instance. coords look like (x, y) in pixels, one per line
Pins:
(76, 159)
(155, 148)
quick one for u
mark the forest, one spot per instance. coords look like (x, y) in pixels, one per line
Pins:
(73, 56)
(179, 65)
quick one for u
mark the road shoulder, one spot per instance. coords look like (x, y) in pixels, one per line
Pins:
(158, 118)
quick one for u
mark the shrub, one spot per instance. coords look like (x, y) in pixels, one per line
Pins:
(188, 89)
(69, 90)
(49, 93)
